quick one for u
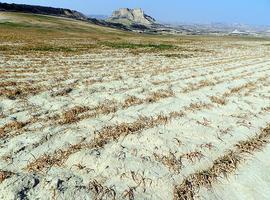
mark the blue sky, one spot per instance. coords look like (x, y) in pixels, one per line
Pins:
(197, 11)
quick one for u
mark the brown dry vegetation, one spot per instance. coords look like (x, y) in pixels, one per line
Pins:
(11, 126)
(170, 161)
(222, 167)
(193, 156)
(155, 96)
(71, 115)
(237, 90)
(74, 115)
(197, 86)
(100, 191)
(198, 106)
(131, 101)
(104, 136)
(218, 100)
(4, 175)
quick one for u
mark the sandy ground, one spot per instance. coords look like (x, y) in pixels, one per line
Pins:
(250, 182)
(115, 125)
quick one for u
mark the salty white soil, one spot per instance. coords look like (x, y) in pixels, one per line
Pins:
(223, 95)
(250, 182)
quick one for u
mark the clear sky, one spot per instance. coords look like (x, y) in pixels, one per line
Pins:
(196, 11)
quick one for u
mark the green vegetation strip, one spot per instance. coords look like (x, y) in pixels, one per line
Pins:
(137, 46)
(46, 48)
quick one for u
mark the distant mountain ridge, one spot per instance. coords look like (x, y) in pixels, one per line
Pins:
(136, 20)
(102, 17)
(42, 10)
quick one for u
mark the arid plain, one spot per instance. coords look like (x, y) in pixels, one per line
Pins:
(88, 112)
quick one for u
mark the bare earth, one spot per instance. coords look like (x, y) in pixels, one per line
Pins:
(122, 122)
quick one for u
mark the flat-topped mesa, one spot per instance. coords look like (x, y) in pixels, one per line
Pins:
(132, 15)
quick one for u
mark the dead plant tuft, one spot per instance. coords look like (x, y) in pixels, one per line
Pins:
(160, 94)
(198, 106)
(218, 100)
(11, 126)
(5, 175)
(131, 101)
(193, 156)
(72, 115)
(170, 161)
(101, 192)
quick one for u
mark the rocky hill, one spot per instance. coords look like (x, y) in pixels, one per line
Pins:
(42, 10)
(132, 16)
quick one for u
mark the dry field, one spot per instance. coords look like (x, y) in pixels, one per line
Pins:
(93, 113)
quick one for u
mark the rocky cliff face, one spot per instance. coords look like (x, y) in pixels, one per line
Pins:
(42, 10)
(136, 16)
